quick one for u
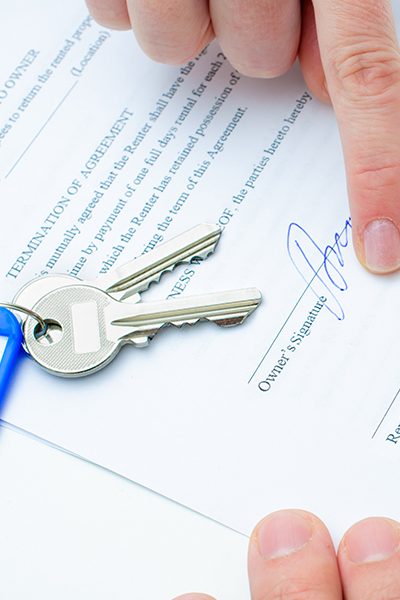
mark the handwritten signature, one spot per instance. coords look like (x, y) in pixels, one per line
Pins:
(320, 268)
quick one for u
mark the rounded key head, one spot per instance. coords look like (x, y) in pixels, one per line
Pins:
(37, 288)
(75, 343)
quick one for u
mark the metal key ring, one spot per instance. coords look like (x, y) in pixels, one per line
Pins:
(28, 312)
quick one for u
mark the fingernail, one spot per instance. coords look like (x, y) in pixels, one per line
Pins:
(372, 540)
(382, 246)
(282, 534)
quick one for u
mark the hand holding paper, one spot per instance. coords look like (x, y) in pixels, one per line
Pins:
(111, 154)
(349, 55)
(291, 555)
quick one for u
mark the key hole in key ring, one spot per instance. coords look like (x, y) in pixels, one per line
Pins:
(51, 334)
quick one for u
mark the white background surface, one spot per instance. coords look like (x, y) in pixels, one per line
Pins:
(70, 529)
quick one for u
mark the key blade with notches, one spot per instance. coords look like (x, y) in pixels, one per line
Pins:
(140, 322)
(134, 277)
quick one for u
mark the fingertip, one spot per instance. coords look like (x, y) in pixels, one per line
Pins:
(281, 533)
(290, 513)
(291, 555)
(369, 559)
(172, 53)
(262, 42)
(261, 71)
(378, 246)
(171, 32)
(112, 14)
(370, 540)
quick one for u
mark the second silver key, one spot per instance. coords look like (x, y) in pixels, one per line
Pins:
(87, 327)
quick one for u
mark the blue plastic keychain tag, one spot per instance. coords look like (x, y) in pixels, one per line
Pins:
(10, 349)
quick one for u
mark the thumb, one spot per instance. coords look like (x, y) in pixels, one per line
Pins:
(291, 555)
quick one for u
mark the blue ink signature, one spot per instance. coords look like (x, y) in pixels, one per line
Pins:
(320, 268)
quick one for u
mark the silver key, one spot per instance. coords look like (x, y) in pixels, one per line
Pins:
(127, 281)
(87, 327)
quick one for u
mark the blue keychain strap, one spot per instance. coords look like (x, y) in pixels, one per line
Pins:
(10, 329)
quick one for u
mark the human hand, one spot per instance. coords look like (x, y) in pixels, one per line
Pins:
(291, 557)
(349, 56)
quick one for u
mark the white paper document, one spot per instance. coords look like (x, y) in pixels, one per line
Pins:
(104, 155)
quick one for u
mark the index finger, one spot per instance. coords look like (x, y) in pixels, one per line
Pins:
(361, 60)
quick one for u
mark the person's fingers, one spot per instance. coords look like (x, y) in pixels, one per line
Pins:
(171, 31)
(369, 559)
(361, 61)
(309, 54)
(291, 555)
(194, 597)
(111, 13)
(260, 38)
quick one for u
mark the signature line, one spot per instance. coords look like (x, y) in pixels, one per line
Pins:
(41, 129)
(279, 332)
(292, 311)
(386, 414)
